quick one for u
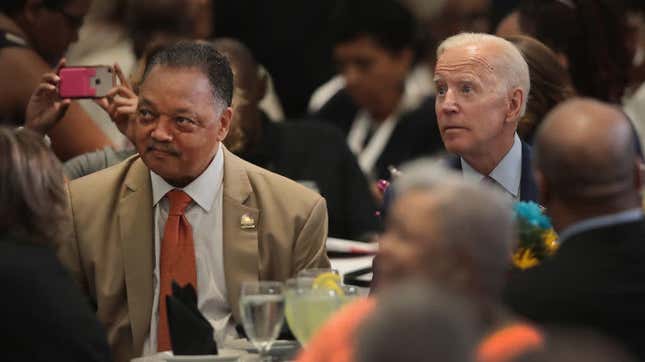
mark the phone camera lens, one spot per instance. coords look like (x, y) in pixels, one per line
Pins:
(98, 81)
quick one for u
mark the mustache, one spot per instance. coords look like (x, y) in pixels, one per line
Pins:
(155, 146)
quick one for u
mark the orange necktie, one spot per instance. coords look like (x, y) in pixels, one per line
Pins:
(176, 260)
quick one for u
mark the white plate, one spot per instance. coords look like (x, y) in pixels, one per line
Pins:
(276, 347)
(224, 355)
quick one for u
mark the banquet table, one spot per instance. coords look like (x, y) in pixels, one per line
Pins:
(346, 256)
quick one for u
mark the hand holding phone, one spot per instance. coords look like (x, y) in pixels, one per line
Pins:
(86, 81)
(120, 103)
(46, 107)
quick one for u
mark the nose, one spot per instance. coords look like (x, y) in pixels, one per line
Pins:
(161, 131)
(447, 103)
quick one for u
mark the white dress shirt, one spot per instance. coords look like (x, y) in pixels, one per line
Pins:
(507, 173)
(204, 214)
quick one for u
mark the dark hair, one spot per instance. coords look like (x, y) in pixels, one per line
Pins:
(550, 83)
(32, 192)
(149, 20)
(15, 6)
(387, 22)
(592, 34)
(202, 55)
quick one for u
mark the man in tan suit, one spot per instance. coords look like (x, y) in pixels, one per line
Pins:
(247, 223)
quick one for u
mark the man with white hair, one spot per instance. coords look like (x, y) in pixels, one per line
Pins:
(482, 84)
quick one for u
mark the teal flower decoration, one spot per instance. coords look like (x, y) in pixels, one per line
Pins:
(531, 213)
(537, 240)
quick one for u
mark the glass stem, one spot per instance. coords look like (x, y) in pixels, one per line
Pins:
(264, 353)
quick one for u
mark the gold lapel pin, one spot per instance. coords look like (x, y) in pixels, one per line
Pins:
(247, 222)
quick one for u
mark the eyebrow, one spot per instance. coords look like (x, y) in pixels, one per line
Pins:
(144, 101)
(178, 111)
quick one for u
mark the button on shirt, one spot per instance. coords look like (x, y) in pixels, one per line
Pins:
(204, 214)
(507, 173)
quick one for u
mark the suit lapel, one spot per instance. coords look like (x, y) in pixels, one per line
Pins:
(135, 220)
(241, 255)
(528, 189)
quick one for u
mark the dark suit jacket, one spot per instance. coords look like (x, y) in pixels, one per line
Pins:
(44, 315)
(318, 153)
(528, 188)
(415, 135)
(596, 280)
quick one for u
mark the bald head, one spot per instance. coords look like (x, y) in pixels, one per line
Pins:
(585, 153)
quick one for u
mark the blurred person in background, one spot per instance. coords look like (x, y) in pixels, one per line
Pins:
(104, 39)
(634, 99)
(593, 40)
(590, 37)
(418, 322)
(440, 19)
(153, 21)
(34, 35)
(44, 315)
(386, 119)
(586, 169)
(550, 83)
(447, 232)
(570, 344)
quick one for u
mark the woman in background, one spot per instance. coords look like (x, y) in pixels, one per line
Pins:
(44, 316)
(550, 83)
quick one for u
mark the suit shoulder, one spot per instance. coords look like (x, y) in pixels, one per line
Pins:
(105, 182)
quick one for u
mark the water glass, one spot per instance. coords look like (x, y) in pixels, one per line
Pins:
(262, 312)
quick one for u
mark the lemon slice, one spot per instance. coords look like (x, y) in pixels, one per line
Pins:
(329, 281)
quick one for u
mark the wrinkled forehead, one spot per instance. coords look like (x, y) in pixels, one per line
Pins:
(473, 60)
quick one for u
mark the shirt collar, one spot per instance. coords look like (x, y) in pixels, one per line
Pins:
(202, 189)
(507, 173)
(601, 221)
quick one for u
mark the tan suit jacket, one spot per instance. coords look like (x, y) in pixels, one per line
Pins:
(110, 248)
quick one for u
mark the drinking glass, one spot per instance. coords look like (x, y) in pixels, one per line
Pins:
(314, 272)
(262, 312)
(307, 307)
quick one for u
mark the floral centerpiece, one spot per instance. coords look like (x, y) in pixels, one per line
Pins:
(537, 239)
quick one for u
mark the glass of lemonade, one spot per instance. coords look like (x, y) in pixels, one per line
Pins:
(262, 312)
(309, 304)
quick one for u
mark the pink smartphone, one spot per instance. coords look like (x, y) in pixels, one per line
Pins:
(85, 82)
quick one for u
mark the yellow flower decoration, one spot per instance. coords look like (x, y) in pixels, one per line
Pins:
(524, 259)
(537, 239)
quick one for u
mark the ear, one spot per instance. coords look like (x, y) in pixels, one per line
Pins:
(224, 123)
(515, 105)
